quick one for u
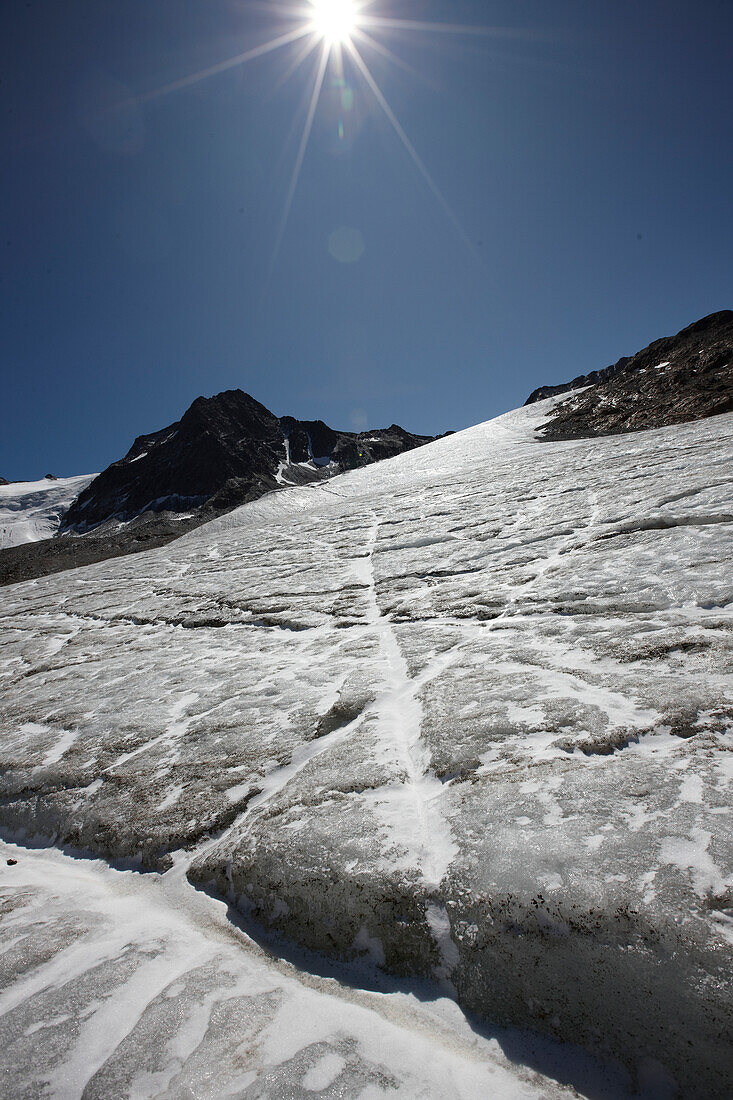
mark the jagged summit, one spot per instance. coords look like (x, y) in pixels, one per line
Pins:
(673, 380)
(224, 451)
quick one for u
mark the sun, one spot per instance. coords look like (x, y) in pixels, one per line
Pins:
(335, 20)
(341, 34)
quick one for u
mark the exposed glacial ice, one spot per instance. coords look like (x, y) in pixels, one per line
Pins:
(116, 984)
(466, 714)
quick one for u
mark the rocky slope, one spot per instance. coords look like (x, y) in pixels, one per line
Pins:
(473, 730)
(674, 380)
(224, 451)
(28, 560)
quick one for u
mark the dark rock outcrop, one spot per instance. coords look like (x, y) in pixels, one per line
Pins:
(225, 451)
(674, 380)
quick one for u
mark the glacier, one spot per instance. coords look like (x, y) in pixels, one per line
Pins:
(33, 510)
(464, 716)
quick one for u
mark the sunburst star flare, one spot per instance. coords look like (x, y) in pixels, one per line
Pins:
(339, 28)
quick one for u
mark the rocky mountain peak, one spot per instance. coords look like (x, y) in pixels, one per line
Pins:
(710, 324)
(230, 412)
(224, 451)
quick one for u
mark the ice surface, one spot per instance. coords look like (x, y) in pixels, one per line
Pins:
(118, 984)
(467, 713)
(32, 510)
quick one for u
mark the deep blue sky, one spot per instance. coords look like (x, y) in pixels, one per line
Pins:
(589, 157)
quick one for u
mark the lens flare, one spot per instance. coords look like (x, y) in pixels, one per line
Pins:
(335, 20)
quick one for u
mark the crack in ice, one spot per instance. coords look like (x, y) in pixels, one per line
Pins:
(409, 808)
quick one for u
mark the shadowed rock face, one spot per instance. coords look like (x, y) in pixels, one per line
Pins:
(224, 451)
(677, 379)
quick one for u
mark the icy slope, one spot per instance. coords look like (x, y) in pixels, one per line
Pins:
(122, 985)
(467, 712)
(32, 510)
